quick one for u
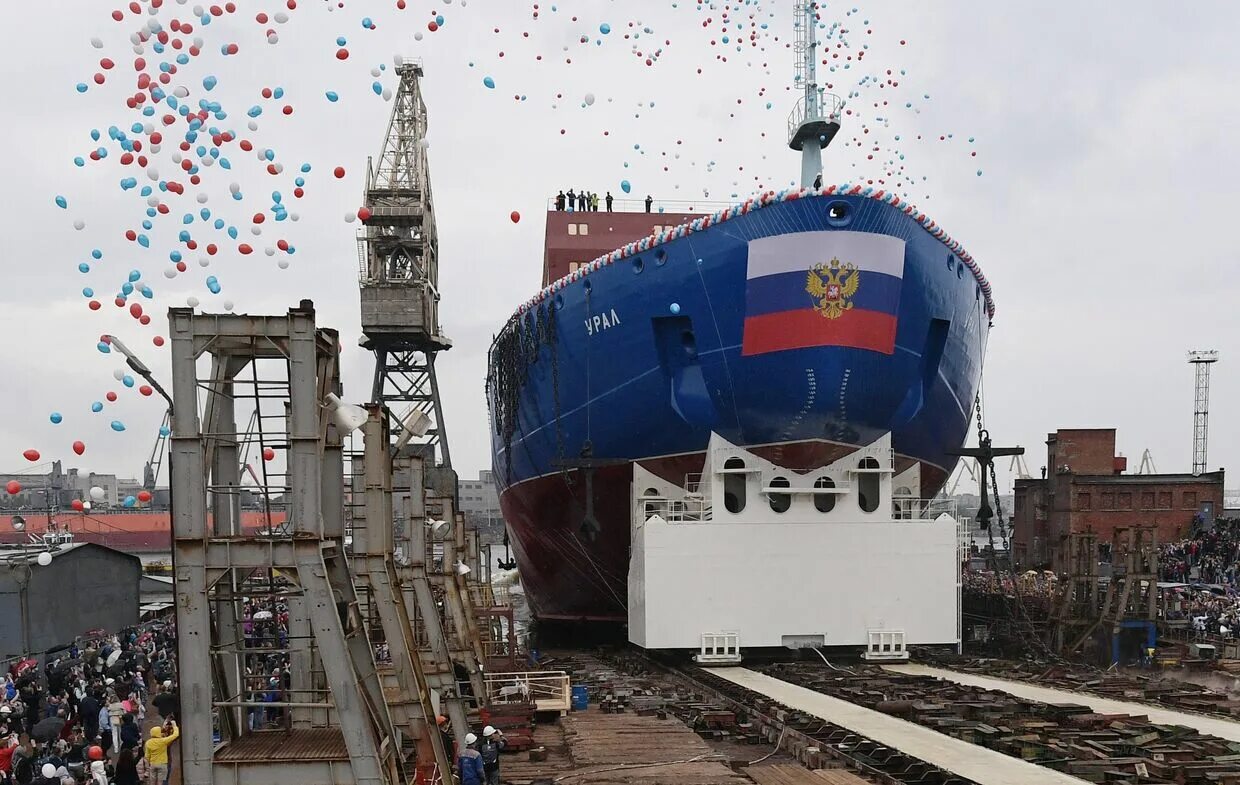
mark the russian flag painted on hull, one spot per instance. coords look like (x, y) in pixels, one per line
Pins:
(832, 288)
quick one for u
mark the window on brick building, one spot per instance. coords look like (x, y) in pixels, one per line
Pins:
(1147, 500)
(1108, 500)
(1125, 500)
(1190, 500)
(1164, 500)
(1082, 501)
(572, 229)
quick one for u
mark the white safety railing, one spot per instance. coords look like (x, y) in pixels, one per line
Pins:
(691, 509)
(908, 508)
(547, 690)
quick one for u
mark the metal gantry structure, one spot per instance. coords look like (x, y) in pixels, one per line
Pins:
(399, 273)
(815, 119)
(1201, 362)
(332, 722)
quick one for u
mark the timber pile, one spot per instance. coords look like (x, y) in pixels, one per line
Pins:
(783, 774)
(1111, 748)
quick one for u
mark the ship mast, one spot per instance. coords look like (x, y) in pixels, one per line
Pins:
(815, 119)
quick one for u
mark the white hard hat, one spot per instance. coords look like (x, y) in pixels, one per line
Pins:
(49, 771)
(470, 739)
(488, 732)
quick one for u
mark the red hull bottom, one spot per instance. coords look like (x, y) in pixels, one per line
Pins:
(569, 577)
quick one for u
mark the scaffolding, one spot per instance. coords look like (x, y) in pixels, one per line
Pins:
(330, 722)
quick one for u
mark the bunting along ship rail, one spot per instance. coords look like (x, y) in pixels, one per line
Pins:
(799, 325)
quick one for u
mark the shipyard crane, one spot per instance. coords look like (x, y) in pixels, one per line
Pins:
(399, 274)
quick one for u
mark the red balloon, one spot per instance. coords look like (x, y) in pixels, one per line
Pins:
(145, 390)
(364, 214)
(515, 216)
(77, 505)
(14, 487)
(79, 447)
(158, 340)
(339, 172)
(135, 310)
(31, 455)
(269, 454)
(144, 496)
(111, 396)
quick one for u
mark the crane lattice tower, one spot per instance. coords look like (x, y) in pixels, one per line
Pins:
(398, 254)
(1201, 362)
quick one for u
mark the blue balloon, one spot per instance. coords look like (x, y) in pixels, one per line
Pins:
(129, 501)
(378, 88)
(61, 202)
(127, 380)
(56, 418)
(81, 87)
(209, 83)
(604, 28)
(332, 96)
(489, 82)
(341, 41)
(104, 348)
(88, 292)
(118, 426)
(96, 407)
(83, 267)
(625, 186)
(674, 308)
(164, 430)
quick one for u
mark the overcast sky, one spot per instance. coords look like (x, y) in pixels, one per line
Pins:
(1104, 215)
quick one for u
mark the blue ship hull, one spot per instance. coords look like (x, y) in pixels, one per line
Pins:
(640, 360)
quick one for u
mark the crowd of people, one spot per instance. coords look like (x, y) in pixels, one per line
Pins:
(1207, 563)
(75, 715)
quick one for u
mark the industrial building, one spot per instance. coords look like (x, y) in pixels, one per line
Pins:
(479, 500)
(50, 594)
(1085, 487)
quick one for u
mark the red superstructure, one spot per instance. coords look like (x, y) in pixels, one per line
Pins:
(578, 238)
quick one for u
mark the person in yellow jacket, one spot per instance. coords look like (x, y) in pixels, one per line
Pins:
(156, 751)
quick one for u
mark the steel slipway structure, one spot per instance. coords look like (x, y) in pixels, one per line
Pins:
(976, 763)
(713, 559)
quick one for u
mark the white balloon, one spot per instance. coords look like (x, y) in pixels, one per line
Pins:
(387, 94)
(192, 302)
(273, 39)
(44, 559)
(269, 251)
(96, 42)
(96, 493)
(281, 17)
(417, 36)
(181, 92)
(589, 99)
(256, 231)
(86, 505)
(118, 374)
(204, 261)
(282, 264)
(350, 217)
(228, 305)
(375, 72)
(79, 224)
(202, 198)
(252, 125)
(294, 217)
(170, 272)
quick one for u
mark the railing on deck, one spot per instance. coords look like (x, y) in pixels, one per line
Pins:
(676, 206)
(547, 690)
(907, 508)
(691, 509)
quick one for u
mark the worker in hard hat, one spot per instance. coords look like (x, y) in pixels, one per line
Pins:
(469, 763)
(493, 743)
(445, 735)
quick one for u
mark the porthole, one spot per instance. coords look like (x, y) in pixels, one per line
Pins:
(559, 302)
(960, 269)
(638, 266)
(660, 257)
(587, 286)
(951, 261)
(780, 502)
(824, 502)
(734, 486)
(839, 213)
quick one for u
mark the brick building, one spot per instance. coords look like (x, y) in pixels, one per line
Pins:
(1084, 487)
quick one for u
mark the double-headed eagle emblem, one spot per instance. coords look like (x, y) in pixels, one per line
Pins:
(832, 286)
